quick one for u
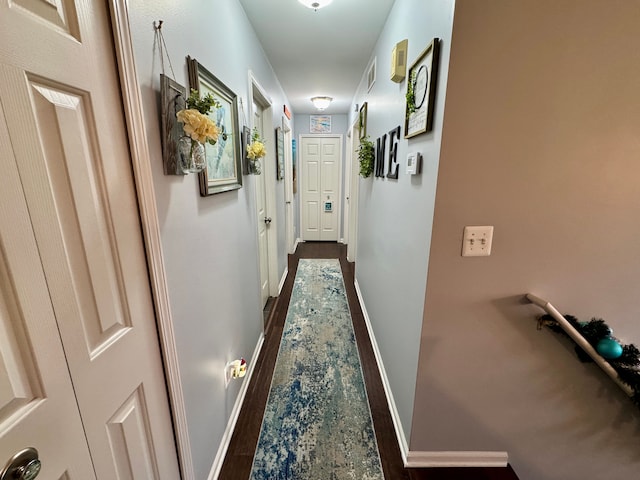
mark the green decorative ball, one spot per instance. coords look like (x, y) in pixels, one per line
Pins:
(609, 348)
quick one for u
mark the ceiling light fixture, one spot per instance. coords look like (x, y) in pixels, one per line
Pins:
(315, 4)
(321, 103)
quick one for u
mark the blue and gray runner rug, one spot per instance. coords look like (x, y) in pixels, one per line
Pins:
(317, 423)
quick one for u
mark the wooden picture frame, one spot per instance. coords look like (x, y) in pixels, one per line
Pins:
(224, 165)
(246, 141)
(173, 98)
(362, 120)
(422, 79)
(279, 154)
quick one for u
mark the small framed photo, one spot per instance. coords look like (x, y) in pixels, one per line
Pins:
(421, 91)
(279, 154)
(362, 121)
(320, 124)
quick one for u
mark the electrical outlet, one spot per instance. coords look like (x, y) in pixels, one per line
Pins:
(476, 241)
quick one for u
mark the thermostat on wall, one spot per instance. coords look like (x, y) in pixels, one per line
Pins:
(414, 163)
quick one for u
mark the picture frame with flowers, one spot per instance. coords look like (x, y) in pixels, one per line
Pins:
(223, 170)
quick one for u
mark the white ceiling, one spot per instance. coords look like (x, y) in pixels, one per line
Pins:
(318, 53)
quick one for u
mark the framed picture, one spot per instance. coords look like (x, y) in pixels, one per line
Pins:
(320, 124)
(362, 121)
(293, 162)
(173, 97)
(224, 167)
(279, 154)
(371, 74)
(421, 91)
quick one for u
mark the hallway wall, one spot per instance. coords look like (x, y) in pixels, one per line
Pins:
(209, 243)
(395, 216)
(540, 139)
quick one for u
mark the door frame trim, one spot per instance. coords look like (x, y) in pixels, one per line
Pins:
(259, 94)
(145, 193)
(340, 136)
(351, 213)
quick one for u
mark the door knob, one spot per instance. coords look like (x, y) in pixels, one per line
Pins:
(24, 465)
(267, 220)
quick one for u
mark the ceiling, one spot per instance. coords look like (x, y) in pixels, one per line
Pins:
(318, 53)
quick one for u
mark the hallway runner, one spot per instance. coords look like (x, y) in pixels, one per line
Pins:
(317, 423)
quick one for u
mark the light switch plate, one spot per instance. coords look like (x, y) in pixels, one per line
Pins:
(476, 241)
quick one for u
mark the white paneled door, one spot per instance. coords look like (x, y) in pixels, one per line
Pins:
(81, 376)
(320, 187)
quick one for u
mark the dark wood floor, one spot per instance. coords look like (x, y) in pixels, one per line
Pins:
(237, 463)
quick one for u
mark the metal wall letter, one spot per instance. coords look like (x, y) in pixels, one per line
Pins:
(394, 135)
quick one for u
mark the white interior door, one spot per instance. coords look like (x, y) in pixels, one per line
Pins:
(320, 187)
(35, 386)
(263, 219)
(67, 138)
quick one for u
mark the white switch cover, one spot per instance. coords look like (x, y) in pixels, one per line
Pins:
(476, 241)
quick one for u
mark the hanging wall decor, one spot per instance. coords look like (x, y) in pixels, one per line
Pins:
(421, 91)
(172, 98)
(223, 170)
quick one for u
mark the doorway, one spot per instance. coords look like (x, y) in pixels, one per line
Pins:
(321, 179)
(266, 218)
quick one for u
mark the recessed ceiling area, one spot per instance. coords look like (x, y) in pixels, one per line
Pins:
(322, 52)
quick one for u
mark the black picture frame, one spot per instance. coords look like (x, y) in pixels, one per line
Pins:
(422, 78)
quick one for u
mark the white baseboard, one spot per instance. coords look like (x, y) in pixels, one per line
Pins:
(282, 280)
(298, 241)
(395, 416)
(456, 459)
(417, 459)
(233, 418)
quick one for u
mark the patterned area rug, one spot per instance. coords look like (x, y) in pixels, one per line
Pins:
(317, 423)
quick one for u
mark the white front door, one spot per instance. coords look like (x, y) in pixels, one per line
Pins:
(320, 185)
(65, 139)
(263, 218)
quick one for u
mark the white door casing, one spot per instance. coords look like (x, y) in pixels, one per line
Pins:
(351, 210)
(320, 172)
(73, 160)
(288, 187)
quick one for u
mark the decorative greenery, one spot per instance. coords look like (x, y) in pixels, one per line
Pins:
(203, 105)
(411, 96)
(626, 365)
(366, 156)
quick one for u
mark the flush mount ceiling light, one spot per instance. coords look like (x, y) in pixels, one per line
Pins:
(315, 4)
(321, 102)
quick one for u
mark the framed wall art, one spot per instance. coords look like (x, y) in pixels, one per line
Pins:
(421, 91)
(224, 164)
(279, 154)
(320, 124)
(362, 120)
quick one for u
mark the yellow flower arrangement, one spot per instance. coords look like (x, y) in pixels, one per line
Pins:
(196, 123)
(198, 126)
(255, 151)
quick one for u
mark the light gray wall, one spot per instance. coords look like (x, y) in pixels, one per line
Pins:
(209, 243)
(395, 216)
(540, 140)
